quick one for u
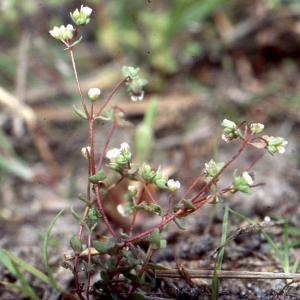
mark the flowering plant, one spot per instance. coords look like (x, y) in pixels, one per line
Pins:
(120, 260)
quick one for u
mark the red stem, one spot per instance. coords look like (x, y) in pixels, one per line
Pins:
(110, 96)
(199, 204)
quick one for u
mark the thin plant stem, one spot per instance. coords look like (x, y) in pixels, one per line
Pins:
(110, 96)
(110, 133)
(77, 83)
(104, 217)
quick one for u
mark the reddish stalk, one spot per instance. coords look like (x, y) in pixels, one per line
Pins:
(198, 204)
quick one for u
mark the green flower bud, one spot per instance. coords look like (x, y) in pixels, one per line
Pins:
(241, 183)
(81, 17)
(212, 168)
(147, 174)
(228, 124)
(275, 144)
(230, 131)
(161, 183)
(129, 71)
(257, 127)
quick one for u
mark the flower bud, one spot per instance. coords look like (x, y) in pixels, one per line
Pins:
(81, 17)
(228, 124)
(257, 127)
(130, 71)
(242, 183)
(173, 185)
(85, 151)
(113, 153)
(275, 144)
(147, 174)
(133, 190)
(94, 94)
(212, 168)
(62, 33)
(230, 131)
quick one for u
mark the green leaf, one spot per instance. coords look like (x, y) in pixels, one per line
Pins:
(162, 244)
(180, 226)
(100, 247)
(80, 113)
(102, 118)
(104, 276)
(74, 214)
(132, 277)
(151, 207)
(154, 239)
(75, 244)
(45, 254)
(12, 267)
(153, 266)
(99, 176)
(83, 199)
(111, 264)
(32, 270)
(20, 289)
(188, 204)
(75, 43)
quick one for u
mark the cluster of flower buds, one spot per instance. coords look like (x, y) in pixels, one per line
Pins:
(274, 144)
(119, 156)
(62, 32)
(230, 131)
(120, 160)
(134, 83)
(158, 178)
(211, 169)
(271, 143)
(242, 183)
(80, 18)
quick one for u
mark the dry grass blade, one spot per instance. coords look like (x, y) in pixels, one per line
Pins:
(174, 273)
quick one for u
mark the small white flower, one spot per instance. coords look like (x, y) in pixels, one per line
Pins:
(94, 93)
(247, 178)
(281, 148)
(225, 138)
(113, 153)
(86, 10)
(173, 185)
(122, 210)
(125, 146)
(85, 151)
(56, 33)
(62, 32)
(139, 97)
(133, 190)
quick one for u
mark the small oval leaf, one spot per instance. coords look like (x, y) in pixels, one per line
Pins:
(80, 113)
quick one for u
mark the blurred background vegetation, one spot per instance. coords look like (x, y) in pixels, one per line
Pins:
(208, 59)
